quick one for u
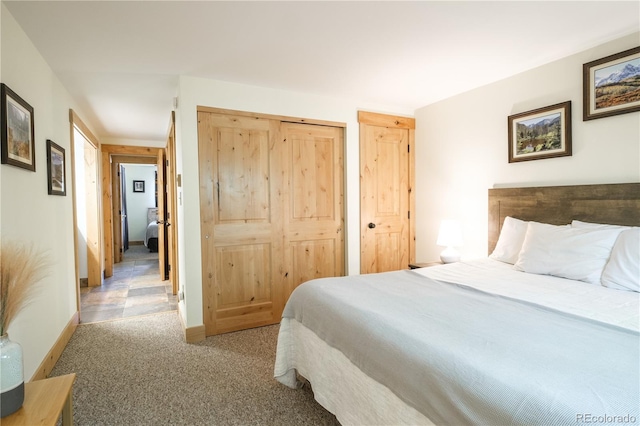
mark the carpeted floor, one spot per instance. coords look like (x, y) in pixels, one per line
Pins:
(139, 371)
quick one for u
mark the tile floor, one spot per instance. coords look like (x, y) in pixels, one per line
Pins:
(134, 289)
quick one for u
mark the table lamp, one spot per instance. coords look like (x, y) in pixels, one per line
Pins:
(450, 236)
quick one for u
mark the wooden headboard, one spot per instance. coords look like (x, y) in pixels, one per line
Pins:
(617, 204)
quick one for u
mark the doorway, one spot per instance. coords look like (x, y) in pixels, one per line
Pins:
(138, 205)
(85, 182)
(106, 293)
(113, 157)
(131, 203)
(87, 220)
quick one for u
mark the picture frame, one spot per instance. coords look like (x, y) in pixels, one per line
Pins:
(56, 169)
(138, 186)
(611, 85)
(540, 133)
(16, 123)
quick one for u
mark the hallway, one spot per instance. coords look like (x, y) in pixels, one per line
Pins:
(134, 289)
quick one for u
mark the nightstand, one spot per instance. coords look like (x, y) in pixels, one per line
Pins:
(417, 265)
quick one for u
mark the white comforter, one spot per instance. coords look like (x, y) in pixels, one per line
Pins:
(613, 307)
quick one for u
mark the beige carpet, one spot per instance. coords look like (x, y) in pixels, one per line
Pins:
(138, 371)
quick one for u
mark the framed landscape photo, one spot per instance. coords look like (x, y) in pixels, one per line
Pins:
(611, 85)
(56, 174)
(18, 146)
(138, 186)
(540, 133)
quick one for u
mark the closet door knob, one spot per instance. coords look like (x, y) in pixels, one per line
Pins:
(371, 225)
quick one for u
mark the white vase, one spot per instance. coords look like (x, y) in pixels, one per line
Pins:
(11, 376)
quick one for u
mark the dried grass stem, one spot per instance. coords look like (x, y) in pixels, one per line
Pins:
(21, 268)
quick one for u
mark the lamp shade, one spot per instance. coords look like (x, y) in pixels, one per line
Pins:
(450, 234)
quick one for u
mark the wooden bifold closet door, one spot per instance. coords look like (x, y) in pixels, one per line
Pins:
(271, 207)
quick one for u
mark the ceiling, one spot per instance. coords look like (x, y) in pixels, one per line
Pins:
(120, 60)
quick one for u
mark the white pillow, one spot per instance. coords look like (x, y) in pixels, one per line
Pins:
(510, 240)
(564, 251)
(623, 269)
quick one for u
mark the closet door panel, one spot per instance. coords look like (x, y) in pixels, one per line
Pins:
(242, 175)
(243, 275)
(241, 221)
(312, 177)
(313, 259)
(314, 230)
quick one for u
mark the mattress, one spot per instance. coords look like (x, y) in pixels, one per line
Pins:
(461, 397)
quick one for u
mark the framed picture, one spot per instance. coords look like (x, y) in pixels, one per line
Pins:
(611, 85)
(138, 186)
(540, 133)
(18, 146)
(56, 174)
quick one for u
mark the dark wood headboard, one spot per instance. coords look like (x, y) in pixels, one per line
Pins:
(617, 204)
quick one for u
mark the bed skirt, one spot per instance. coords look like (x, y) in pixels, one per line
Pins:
(338, 385)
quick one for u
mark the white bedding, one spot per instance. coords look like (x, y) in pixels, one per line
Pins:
(616, 307)
(355, 398)
(152, 226)
(152, 232)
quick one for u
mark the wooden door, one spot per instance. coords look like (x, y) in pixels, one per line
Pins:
(314, 229)
(271, 200)
(92, 197)
(386, 179)
(172, 209)
(163, 250)
(116, 183)
(241, 214)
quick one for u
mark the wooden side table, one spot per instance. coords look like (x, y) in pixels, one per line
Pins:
(417, 265)
(44, 400)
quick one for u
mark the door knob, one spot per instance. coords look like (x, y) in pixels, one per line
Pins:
(371, 225)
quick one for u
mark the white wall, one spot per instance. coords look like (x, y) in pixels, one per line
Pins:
(197, 91)
(138, 203)
(461, 147)
(28, 213)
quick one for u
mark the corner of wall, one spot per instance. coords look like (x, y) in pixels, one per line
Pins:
(191, 334)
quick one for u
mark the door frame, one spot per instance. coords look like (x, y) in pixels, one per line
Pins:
(393, 122)
(172, 202)
(121, 154)
(116, 162)
(76, 123)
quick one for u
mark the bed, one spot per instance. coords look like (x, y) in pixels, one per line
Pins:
(542, 331)
(151, 236)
